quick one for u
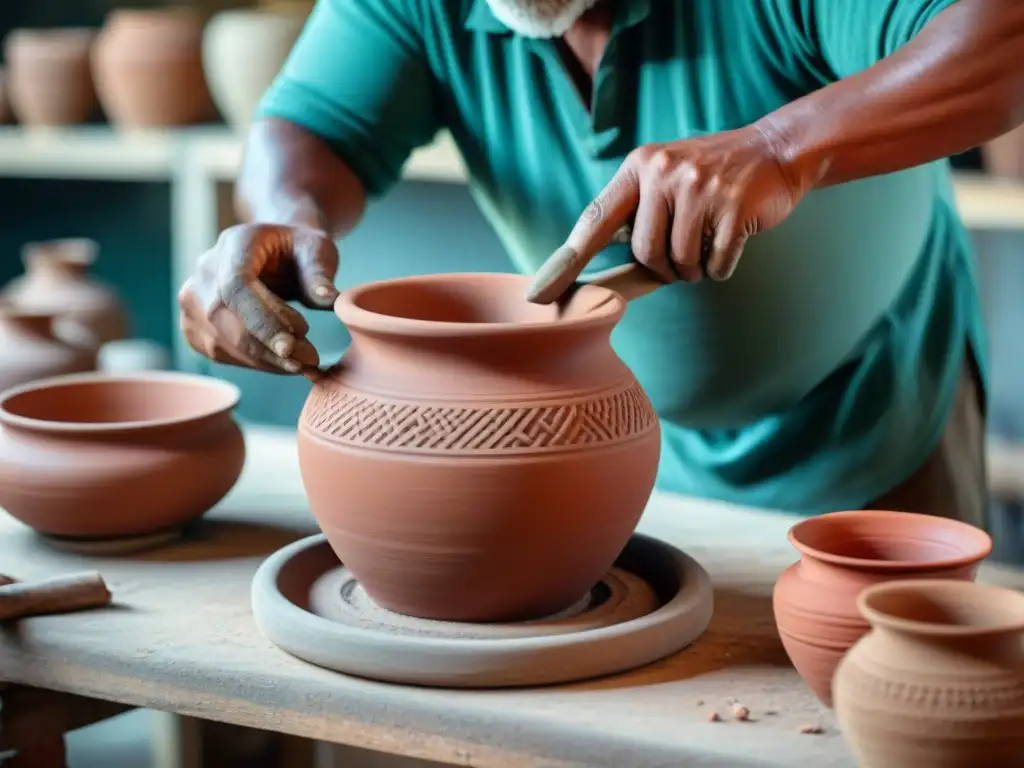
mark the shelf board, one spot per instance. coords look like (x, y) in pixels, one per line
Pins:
(99, 152)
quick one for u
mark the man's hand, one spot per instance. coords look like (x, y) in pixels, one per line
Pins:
(692, 204)
(233, 308)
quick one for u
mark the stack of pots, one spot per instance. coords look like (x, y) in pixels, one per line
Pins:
(48, 77)
(243, 50)
(147, 65)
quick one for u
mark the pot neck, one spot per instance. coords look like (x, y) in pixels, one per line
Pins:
(486, 367)
(868, 573)
(1002, 647)
(59, 260)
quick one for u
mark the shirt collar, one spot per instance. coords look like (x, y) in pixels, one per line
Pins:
(482, 19)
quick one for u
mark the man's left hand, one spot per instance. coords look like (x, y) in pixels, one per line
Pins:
(692, 205)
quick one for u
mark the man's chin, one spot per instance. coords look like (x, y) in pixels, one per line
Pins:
(540, 18)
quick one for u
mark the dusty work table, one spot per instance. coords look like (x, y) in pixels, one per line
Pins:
(181, 639)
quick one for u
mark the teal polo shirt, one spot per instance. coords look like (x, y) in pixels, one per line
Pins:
(817, 378)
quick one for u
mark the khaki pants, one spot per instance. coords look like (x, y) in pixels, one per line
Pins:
(952, 481)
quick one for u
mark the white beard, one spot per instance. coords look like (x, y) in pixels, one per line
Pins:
(540, 18)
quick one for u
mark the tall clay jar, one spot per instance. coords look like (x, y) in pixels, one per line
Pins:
(31, 348)
(475, 457)
(48, 77)
(843, 553)
(939, 680)
(57, 280)
(148, 69)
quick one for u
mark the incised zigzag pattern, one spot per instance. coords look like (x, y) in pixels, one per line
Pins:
(359, 419)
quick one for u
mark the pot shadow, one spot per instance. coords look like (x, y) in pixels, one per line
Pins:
(742, 634)
(207, 540)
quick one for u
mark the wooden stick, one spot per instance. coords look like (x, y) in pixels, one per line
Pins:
(56, 595)
(5, 580)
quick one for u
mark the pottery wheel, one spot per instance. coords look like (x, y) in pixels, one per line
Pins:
(654, 602)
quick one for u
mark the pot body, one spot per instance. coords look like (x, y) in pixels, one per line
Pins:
(485, 477)
(242, 53)
(815, 605)
(148, 69)
(30, 350)
(904, 699)
(57, 281)
(48, 77)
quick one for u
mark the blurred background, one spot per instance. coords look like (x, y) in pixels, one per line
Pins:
(129, 138)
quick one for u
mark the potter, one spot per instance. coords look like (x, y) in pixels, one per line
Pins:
(818, 344)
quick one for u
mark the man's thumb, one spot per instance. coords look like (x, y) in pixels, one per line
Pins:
(317, 260)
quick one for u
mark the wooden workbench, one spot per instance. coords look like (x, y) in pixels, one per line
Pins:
(181, 639)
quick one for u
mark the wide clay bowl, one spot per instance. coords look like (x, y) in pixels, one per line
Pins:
(99, 456)
(476, 457)
(842, 553)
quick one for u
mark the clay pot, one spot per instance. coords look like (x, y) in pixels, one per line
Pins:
(842, 553)
(475, 457)
(6, 115)
(56, 280)
(48, 77)
(31, 348)
(1004, 157)
(96, 456)
(242, 53)
(939, 680)
(148, 69)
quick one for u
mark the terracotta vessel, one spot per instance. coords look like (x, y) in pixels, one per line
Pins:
(97, 456)
(939, 680)
(148, 69)
(841, 553)
(31, 348)
(49, 82)
(57, 280)
(1004, 157)
(6, 115)
(242, 53)
(476, 457)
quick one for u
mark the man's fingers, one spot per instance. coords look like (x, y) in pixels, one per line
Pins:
(687, 239)
(726, 249)
(594, 231)
(317, 260)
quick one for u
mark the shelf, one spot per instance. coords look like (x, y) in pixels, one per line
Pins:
(98, 152)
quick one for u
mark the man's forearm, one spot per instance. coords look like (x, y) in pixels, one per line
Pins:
(289, 176)
(958, 84)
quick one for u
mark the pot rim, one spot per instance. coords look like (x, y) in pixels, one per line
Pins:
(979, 542)
(966, 591)
(230, 397)
(605, 313)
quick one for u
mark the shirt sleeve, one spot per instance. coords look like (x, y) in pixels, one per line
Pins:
(852, 35)
(359, 78)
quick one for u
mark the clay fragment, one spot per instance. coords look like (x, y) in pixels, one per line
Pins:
(713, 717)
(740, 712)
(59, 594)
(810, 728)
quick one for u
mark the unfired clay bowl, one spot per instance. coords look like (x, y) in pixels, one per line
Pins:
(93, 456)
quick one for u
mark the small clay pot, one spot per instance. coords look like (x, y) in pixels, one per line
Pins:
(148, 69)
(842, 553)
(57, 281)
(939, 680)
(1004, 156)
(33, 347)
(6, 115)
(476, 457)
(49, 82)
(243, 51)
(99, 456)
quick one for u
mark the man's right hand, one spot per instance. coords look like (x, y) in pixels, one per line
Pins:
(233, 307)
